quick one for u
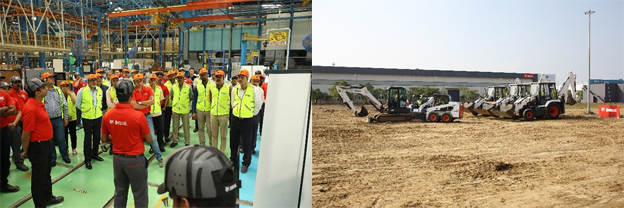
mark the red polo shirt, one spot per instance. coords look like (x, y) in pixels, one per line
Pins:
(264, 87)
(143, 96)
(127, 128)
(21, 96)
(5, 100)
(18, 107)
(165, 93)
(35, 119)
(81, 85)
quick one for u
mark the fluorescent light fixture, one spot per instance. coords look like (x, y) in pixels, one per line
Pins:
(110, 3)
(271, 6)
(118, 9)
(34, 18)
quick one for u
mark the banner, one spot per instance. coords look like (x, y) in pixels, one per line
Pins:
(609, 111)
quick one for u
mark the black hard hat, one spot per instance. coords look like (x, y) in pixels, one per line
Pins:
(198, 172)
(33, 85)
(124, 89)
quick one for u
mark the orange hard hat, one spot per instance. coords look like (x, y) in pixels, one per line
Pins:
(203, 71)
(153, 76)
(114, 77)
(64, 83)
(99, 75)
(135, 71)
(126, 70)
(99, 70)
(172, 72)
(138, 76)
(255, 77)
(244, 72)
(91, 76)
(46, 75)
(180, 74)
(220, 72)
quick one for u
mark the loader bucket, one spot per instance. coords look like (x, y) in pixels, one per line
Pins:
(363, 112)
(469, 107)
(506, 111)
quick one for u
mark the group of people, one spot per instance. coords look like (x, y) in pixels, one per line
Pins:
(126, 109)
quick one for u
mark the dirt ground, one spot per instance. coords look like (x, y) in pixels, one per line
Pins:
(574, 161)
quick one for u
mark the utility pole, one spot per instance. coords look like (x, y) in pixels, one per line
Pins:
(589, 13)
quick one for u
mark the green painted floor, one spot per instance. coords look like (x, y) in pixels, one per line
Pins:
(82, 187)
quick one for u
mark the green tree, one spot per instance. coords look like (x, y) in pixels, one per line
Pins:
(334, 92)
(318, 96)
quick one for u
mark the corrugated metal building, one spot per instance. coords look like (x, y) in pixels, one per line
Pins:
(324, 77)
(605, 91)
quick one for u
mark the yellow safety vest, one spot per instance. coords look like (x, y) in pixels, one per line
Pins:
(181, 100)
(220, 100)
(86, 106)
(156, 106)
(106, 82)
(243, 108)
(72, 109)
(203, 101)
(168, 84)
(113, 94)
(60, 94)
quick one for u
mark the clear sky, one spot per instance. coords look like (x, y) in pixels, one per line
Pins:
(503, 36)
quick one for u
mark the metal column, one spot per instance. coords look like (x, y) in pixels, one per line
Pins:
(99, 42)
(204, 49)
(126, 46)
(79, 58)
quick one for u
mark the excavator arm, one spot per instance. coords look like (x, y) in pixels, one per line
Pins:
(570, 83)
(342, 91)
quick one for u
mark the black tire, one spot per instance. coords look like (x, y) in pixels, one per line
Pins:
(446, 118)
(553, 111)
(528, 114)
(433, 117)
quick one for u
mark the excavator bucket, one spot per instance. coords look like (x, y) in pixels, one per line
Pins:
(363, 112)
(570, 100)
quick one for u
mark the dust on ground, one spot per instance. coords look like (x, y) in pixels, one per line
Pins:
(576, 160)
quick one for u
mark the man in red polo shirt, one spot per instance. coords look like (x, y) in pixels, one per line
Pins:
(142, 99)
(127, 129)
(7, 108)
(36, 140)
(16, 90)
(15, 129)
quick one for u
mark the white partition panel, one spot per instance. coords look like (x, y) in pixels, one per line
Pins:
(284, 177)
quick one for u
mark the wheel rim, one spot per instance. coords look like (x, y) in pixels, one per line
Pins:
(529, 114)
(446, 118)
(554, 111)
(433, 117)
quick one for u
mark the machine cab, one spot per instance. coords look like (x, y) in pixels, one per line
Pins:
(441, 99)
(544, 91)
(397, 100)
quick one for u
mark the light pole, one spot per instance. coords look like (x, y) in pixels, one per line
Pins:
(589, 13)
(356, 80)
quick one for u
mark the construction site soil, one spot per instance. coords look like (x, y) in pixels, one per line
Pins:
(574, 161)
